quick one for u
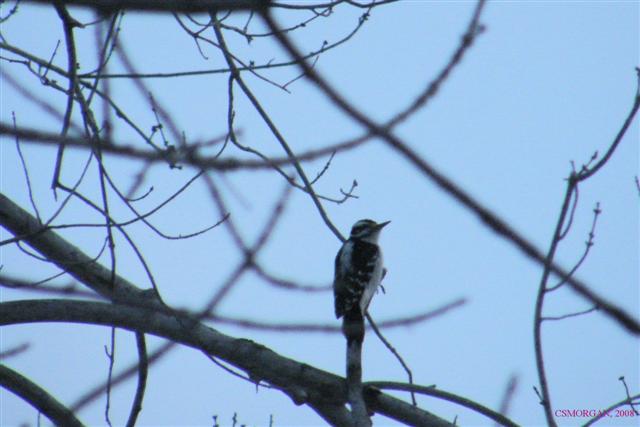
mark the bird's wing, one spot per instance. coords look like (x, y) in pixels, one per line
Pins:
(350, 284)
(339, 284)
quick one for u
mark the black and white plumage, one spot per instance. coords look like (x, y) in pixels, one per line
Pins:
(358, 270)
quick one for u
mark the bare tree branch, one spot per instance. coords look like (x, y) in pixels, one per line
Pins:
(13, 351)
(572, 187)
(434, 392)
(394, 352)
(143, 367)
(490, 219)
(509, 393)
(189, 157)
(64, 255)
(287, 327)
(154, 147)
(37, 397)
(272, 127)
(72, 64)
(191, 6)
(607, 411)
(303, 383)
(126, 373)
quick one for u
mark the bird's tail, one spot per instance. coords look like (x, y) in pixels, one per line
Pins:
(353, 325)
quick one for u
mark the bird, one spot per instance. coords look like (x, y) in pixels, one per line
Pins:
(358, 273)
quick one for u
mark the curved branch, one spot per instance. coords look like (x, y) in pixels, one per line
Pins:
(607, 411)
(143, 368)
(565, 217)
(37, 397)
(304, 384)
(587, 172)
(433, 392)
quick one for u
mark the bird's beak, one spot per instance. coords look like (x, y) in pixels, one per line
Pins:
(381, 225)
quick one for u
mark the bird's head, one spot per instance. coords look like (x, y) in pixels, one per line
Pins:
(367, 230)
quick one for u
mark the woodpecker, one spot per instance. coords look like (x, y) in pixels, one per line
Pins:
(358, 272)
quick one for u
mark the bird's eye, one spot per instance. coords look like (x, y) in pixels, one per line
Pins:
(360, 229)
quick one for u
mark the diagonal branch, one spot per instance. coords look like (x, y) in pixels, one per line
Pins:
(489, 218)
(304, 384)
(393, 351)
(65, 255)
(272, 127)
(434, 392)
(37, 397)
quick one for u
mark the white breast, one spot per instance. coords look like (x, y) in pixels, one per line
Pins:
(345, 257)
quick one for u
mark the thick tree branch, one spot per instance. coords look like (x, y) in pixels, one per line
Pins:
(304, 384)
(195, 6)
(191, 6)
(434, 392)
(97, 277)
(37, 397)
(334, 415)
(65, 255)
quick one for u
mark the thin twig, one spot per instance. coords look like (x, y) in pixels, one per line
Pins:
(25, 170)
(68, 24)
(588, 245)
(111, 356)
(490, 219)
(143, 368)
(287, 327)
(395, 353)
(14, 351)
(508, 395)
(608, 411)
(626, 390)
(274, 130)
(568, 316)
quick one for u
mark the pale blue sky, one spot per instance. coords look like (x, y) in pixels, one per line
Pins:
(547, 83)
